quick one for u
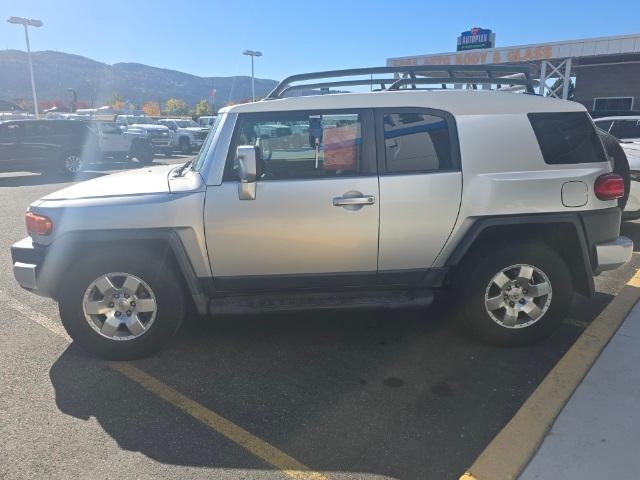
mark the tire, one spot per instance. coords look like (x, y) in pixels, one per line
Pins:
(142, 154)
(157, 280)
(185, 146)
(71, 163)
(475, 283)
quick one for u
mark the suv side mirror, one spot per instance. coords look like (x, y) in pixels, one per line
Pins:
(247, 159)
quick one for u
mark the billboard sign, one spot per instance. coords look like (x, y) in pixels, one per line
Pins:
(476, 38)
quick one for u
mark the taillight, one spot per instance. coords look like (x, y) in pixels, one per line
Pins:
(38, 224)
(609, 186)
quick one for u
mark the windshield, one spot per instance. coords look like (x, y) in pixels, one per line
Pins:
(199, 160)
(186, 123)
(625, 129)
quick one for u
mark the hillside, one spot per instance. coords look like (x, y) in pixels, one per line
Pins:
(96, 82)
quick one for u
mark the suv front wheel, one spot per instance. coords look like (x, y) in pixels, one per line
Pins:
(513, 294)
(71, 163)
(122, 305)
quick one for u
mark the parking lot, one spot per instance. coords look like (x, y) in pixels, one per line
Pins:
(377, 394)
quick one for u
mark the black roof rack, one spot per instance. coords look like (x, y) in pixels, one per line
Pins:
(410, 75)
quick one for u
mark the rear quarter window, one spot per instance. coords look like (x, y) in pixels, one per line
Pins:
(567, 138)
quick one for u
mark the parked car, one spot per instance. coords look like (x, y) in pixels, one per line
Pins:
(505, 201)
(207, 121)
(108, 140)
(147, 130)
(186, 135)
(621, 127)
(42, 145)
(632, 152)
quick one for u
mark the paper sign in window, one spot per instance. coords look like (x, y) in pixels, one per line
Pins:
(340, 148)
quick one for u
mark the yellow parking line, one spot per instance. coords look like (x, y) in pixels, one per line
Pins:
(258, 447)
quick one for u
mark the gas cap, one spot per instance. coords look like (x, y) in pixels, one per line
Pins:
(574, 194)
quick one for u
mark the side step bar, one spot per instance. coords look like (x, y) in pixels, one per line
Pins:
(296, 301)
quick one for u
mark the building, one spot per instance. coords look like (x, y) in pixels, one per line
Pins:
(605, 70)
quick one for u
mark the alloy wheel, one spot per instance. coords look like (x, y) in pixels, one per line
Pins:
(518, 296)
(119, 306)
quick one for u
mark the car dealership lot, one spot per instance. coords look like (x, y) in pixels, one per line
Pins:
(376, 394)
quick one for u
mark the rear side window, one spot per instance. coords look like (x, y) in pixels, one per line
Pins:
(567, 138)
(416, 142)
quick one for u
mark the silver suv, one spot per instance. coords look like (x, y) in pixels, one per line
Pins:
(378, 199)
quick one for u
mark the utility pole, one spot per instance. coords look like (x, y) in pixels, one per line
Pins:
(29, 22)
(252, 54)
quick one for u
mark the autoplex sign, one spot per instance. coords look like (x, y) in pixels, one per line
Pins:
(476, 38)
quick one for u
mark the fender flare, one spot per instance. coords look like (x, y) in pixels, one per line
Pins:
(61, 253)
(584, 275)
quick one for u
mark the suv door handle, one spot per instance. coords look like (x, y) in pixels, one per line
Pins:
(347, 201)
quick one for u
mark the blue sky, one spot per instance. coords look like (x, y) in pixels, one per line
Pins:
(207, 37)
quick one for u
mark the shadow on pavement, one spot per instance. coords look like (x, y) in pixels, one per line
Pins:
(388, 393)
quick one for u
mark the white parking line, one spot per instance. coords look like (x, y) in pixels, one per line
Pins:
(34, 315)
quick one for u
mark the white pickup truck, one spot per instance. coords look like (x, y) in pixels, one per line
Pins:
(186, 135)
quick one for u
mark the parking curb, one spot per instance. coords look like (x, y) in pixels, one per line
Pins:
(512, 448)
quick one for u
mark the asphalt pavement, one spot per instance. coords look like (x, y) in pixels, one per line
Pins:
(365, 395)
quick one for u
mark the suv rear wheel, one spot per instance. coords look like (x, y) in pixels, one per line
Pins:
(513, 294)
(122, 305)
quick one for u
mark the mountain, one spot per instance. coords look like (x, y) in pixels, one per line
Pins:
(96, 82)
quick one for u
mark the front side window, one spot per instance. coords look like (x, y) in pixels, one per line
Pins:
(301, 145)
(416, 142)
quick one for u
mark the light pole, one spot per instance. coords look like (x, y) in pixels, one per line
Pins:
(252, 54)
(29, 22)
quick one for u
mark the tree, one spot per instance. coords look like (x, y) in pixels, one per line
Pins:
(117, 101)
(202, 108)
(176, 106)
(557, 87)
(152, 109)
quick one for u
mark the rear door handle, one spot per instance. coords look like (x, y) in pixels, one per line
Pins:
(347, 201)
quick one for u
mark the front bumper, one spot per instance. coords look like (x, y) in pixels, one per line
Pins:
(613, 254)
(27, 262)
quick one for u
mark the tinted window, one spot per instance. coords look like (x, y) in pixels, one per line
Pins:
(624, 129)
(567, 138)
(416, 142)
(37, 129)
(296, 145)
